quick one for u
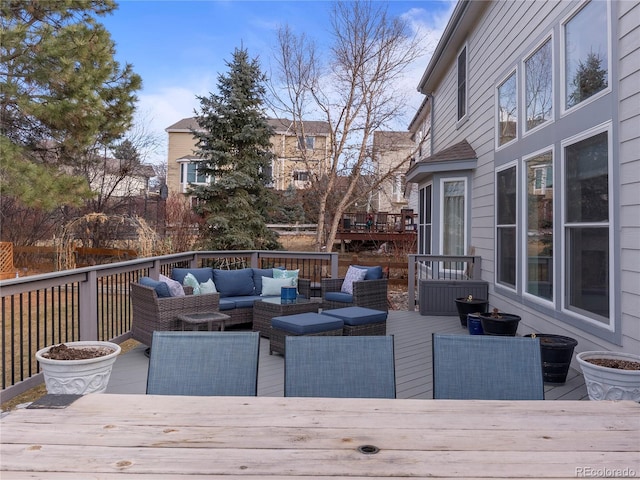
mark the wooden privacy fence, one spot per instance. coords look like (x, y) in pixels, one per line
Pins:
(6, 261)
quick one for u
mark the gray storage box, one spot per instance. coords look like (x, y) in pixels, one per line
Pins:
(437, 297)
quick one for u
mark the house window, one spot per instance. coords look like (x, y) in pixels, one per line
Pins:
(586, 53)
(191, 173)
(539, 228)
(424, 220)
(506, 204)
(462, 83)
(453, 218)
(538, 74)
(306, 143)
(507, 110)
(300, 176)
(587, 227)
(397, 192)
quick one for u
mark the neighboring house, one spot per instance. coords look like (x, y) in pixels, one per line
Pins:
(534, 162)
(119, 179)
(390, 153)
(300, 150)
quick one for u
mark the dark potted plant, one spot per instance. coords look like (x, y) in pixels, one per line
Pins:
(467, 305)
(611, 375)
(499, 323)
(556, 353)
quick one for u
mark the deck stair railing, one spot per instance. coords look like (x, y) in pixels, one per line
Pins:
(441, 267)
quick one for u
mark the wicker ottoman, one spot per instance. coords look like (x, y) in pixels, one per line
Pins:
(301, 324)
(360, 320)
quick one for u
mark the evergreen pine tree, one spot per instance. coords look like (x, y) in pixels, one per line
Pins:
(233, 141)
(589, 79)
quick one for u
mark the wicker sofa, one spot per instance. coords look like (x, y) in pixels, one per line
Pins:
(238, 289)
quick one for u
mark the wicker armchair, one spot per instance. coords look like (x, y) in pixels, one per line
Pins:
(366, 293)
(152, 313)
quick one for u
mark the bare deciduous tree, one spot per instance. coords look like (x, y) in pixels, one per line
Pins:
(354, 88)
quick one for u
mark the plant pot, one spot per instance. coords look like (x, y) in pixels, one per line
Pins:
(78, 376)
(606, 383)
(556, 352)
(506, 325)
(465, 307)
(474, 323)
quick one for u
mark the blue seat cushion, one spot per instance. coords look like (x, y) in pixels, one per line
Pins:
(161, 288)
(357, 315)
(373, 273)
(244, 301)
(258, 273)
(203, 275)
(234, 283)
(306, 323)
(226, 304)
(339, 297)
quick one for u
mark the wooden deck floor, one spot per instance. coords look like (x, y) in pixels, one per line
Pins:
(412, 338)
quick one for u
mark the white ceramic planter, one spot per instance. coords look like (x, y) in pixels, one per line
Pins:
(78, 376)
(604, 383)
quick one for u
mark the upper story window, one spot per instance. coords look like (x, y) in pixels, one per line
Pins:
(538, 90)
(306, 143)
(586, 53)
(300, 176)
(462, 83)
(191, 174)
(507, 110)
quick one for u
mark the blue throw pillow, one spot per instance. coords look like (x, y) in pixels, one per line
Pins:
(234, 283)
(161, 288)
(258, 273)
(201, 274)
(373, 273)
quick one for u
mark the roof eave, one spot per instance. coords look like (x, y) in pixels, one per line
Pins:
(420, 171)
(464, 16)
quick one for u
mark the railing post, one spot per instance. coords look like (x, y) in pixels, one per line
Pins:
(411, 287)
(477, 268)
(334, 265)
(154, 272)
(88, 306)
(254, 259)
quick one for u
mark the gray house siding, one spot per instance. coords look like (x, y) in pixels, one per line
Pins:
(629, 154)
(498, 37)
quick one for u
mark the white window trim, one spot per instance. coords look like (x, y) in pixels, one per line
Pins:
(563, 89)
(184, 186)
(507, 166)
(441, 212)
(523, 87)
(605, 127)
(421, 226)
(523, 214)
(464, 118)
(496, 125)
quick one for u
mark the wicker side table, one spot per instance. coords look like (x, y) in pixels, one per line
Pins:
(264, 310)
(194, 320)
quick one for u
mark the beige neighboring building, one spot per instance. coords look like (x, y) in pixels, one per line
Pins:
(390, 150)
(299, 152)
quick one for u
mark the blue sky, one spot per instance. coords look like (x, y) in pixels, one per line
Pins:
(179, 47)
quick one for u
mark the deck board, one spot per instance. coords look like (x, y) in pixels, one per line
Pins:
(412, 340)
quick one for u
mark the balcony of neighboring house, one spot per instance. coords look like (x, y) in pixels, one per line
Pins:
(397, 230)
